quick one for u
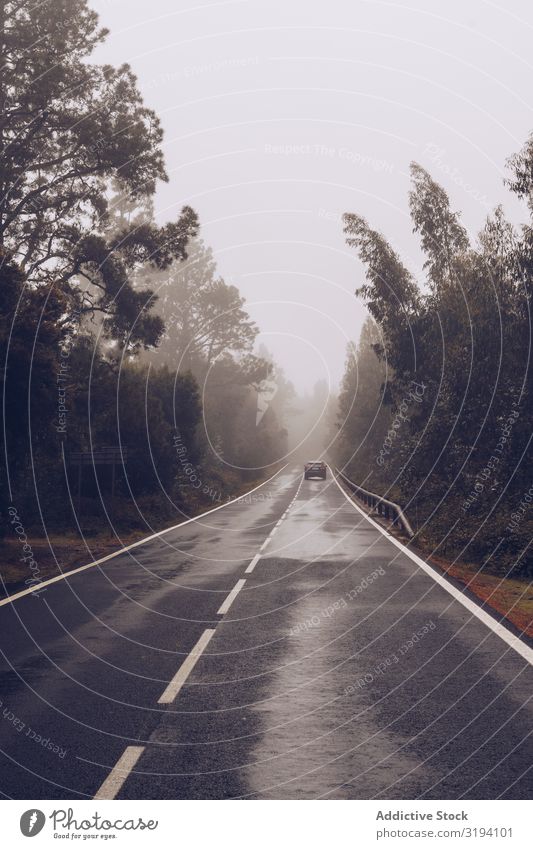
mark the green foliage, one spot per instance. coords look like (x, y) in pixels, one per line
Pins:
(68, 129)
(137, 408)
(80, 261)
(204, 317)
(209, 334)
(442, 237)
(459, 455)
(363, 417)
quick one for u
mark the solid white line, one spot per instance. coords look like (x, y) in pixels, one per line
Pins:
(500, 630)
(62, 577)
(265, 542)
(225, 606)
(253, 564)
(185, 669)
(119, 773)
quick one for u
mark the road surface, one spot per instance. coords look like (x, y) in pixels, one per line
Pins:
(279, 647)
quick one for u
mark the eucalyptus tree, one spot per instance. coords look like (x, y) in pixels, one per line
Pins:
(68, 128)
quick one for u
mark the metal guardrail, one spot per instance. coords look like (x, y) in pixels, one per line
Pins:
(384, 507)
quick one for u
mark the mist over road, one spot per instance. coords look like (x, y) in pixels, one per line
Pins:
(327, 664)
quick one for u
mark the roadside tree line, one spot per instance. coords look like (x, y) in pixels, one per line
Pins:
(436, 406)
(114, 330)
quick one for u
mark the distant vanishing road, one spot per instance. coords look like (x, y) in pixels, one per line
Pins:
(280, 647)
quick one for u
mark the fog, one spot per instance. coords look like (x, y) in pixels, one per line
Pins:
(281, 116)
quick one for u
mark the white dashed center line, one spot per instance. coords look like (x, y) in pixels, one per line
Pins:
(119, 773)
(126, 763)
(253, 564)
(225, 606)
(185, 669)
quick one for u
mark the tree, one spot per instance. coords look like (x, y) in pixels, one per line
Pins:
(209, 333)
(463, 336)
(443, 238)
(68, 128)
(391, 293)
(204, 316)
(30, 337)
(363, 417)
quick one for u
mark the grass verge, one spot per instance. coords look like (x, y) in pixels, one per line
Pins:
(510, 597)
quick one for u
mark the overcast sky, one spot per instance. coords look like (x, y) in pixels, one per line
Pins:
(280, 115)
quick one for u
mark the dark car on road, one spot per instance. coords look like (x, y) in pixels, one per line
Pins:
(315, 469)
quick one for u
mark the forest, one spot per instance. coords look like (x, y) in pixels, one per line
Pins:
(436, 406)
(117, 334)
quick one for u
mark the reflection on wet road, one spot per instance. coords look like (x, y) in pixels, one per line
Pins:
(302, 655)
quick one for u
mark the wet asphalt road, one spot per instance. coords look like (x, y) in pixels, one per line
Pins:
(313, 684)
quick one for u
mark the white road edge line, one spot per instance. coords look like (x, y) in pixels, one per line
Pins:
(185, 669)
(119, 773)
(10, 598)
(500, 630)
(225, 606)
(253, 564)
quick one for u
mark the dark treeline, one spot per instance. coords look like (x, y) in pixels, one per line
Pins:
(114, 330)
(436, 408)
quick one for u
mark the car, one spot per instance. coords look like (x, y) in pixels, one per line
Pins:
(315, 469)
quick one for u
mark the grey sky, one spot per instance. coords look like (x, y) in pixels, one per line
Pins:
(279, 116)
